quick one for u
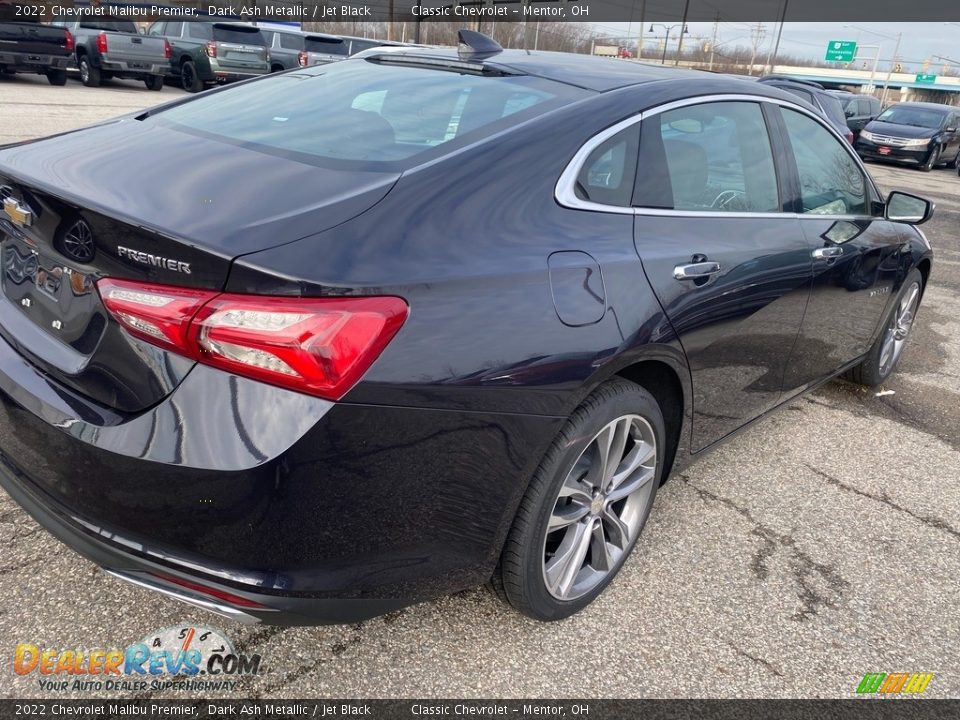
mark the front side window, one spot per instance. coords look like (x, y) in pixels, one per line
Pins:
(713, 157)
(831, 183)
(608, 173)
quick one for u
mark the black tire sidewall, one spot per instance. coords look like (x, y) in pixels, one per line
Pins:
(619, 398)
(189, 72)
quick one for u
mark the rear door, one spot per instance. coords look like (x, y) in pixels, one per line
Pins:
(855, 251)
(730, 268)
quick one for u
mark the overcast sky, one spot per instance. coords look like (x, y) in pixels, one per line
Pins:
(921, 41)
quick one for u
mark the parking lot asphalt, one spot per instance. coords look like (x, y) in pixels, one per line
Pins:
(820, 544)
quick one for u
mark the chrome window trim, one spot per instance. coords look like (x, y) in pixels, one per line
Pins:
(565, 190)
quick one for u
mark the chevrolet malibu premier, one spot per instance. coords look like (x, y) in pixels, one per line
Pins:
(315, 347)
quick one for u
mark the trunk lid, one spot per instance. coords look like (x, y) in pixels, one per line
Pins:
(145, 49)
(73, 212)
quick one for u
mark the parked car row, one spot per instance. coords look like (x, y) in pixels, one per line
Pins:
(195, 55)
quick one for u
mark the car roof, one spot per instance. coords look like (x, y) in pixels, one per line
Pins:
(585, 71)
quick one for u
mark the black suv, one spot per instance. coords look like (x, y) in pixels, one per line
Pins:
(815, 94)
(857, 109)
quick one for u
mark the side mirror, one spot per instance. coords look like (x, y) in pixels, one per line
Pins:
(906, 208)
(849, 113)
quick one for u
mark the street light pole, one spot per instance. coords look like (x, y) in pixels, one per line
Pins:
(683, 27)
(666, 42)
(893, 60)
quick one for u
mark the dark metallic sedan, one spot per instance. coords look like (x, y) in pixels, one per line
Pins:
(423, 320)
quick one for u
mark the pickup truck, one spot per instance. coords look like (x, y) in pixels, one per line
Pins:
(26, 46)
(108, 47)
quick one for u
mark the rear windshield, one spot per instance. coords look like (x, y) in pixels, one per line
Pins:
(239, 35)
(833, 109)
(329, 46)
(124, 26)
(355, 111)
(917, 117)
(361, 45)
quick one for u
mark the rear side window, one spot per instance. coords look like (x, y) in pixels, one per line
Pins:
(239, 35)
(200, 30)
(175, 29)
(831, 183)
(360, 45)
(713, 157)
(607, 175)
(375, 114)
(289, 41)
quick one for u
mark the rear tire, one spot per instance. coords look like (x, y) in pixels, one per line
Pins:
(89, 75)
(57, 77)
(581, 516)
(154, 82)
(189, 78)
(277, 68)
(955, 163)
(885, 353)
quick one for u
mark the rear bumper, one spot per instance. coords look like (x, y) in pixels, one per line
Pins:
(314, 512)
(32, 63)
(132, 67)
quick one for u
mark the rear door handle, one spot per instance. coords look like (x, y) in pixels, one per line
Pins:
(696, 270)
(827, 252)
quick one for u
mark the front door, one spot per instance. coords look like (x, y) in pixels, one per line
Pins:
(731, 270)
(856, 253)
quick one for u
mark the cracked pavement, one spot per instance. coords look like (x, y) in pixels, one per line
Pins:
(820, 544)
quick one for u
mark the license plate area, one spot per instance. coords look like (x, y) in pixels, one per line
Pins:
(884, 151)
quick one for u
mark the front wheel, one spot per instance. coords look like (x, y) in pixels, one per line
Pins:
(586, 505)
(932, 159)
(89, 75)
(883, 357)
(154, 82)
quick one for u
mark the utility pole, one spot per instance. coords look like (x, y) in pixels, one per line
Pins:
(757, 34)
(772, 57)
(643, 11)
(713, 43)
(683, 30)
(893, 61)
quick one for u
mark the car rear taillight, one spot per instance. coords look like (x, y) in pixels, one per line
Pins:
(211, 48)
(69, 44)
(303, 59)
(167, 49)
(320, 346)
(102, 43)
(849, 137)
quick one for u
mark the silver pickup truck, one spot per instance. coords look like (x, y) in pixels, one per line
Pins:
(108, 47)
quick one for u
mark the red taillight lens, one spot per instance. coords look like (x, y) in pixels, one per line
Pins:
(211, 49)
(102, 42)
(320, 346)
(849, 137)
(69, 44)
(303, 58)
(167, 49)
(158, 314)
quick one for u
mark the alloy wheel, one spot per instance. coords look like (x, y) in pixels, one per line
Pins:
(895, 335)
(600, 508)
(84, 71)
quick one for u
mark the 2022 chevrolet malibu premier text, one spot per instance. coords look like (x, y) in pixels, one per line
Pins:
(321, 345)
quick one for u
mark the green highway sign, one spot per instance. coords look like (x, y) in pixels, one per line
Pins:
(841, 50)
(926, 79)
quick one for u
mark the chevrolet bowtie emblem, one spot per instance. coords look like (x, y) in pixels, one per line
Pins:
(18, 214)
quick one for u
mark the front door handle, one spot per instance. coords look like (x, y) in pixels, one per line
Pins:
(827, 252)
(696, 270)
